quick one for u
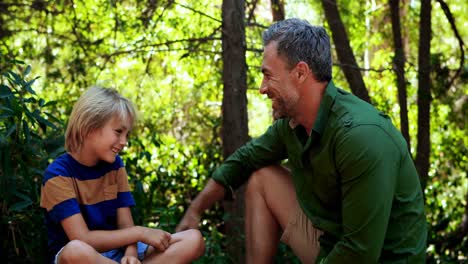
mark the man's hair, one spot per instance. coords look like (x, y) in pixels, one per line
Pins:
(299, 41)
(93, 110)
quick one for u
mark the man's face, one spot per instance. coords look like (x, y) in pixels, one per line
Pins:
(277, 83)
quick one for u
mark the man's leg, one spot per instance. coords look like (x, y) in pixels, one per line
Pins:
(270, 201)
(77, 251)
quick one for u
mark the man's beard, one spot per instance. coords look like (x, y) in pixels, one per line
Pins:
(280, 110)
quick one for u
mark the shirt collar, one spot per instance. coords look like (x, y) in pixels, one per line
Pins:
(324, 110)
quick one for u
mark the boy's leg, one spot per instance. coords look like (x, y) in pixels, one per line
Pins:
(271, 206)
(78, 252)
(185, 247)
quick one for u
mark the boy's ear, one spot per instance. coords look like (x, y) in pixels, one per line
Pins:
(84, 135)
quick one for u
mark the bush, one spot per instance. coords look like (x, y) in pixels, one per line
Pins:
(29, 137)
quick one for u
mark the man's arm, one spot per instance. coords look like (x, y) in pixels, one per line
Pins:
(265, 150)
(212, 193)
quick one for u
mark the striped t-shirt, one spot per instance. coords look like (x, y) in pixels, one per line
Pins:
(96, 192)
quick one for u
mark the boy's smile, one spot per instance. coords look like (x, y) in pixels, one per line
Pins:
(104, 143)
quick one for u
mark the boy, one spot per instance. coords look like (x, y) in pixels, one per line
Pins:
(87, 197)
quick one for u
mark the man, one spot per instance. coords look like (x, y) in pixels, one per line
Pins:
(350, 193)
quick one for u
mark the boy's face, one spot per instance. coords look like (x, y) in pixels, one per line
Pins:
(106, 142)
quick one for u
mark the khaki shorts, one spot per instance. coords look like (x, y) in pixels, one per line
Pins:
(303, 238)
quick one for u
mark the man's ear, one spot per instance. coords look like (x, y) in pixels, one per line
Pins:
(302, 71)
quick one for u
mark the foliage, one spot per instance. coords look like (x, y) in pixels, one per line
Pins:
(166, 57)
(29, 138)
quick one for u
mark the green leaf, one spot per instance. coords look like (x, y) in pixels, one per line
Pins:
(5, 91)
(29, 100)
(53, 118)
(7, 109)
(27, 70)
(57, 152)
(29, 84)
(37, 171)
(50, 103)
(30, 116)
(10, 130)
(26, 201)
(17, 61)
(16, 78)
(26, 131)
(19, 206)
(7, 115)
(42, 120)
(23, 196)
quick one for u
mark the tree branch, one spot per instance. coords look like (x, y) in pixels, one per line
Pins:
(399, 67)
(251, 11)
(142, 48)
(198, 12)
(451, 20)
(362, 69)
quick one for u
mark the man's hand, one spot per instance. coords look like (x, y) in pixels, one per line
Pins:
(157, 238)
(191, 220)
(212, 193)
(130, 260)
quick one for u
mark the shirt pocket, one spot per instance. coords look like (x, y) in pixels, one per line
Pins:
(110, 192)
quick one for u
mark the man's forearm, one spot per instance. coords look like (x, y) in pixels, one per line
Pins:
(212, 193)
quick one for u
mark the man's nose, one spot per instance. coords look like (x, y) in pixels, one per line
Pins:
(263, 88)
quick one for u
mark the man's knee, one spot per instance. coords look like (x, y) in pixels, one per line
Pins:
(259, 179)
(76, 251)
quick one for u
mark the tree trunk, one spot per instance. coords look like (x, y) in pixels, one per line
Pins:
(424, 92)
(234, 112)
(277, 10)
(343, 50)
(399, 68)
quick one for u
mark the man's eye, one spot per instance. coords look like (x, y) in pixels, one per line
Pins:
(118, 131)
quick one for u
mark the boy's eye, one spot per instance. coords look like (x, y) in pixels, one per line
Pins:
(118, 131)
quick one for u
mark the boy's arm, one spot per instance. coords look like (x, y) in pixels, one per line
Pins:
(103, 240)
(125, 220)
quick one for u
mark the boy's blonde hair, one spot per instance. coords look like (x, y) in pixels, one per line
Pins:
(92, 111)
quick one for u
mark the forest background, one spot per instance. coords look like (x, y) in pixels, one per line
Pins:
(192, 70)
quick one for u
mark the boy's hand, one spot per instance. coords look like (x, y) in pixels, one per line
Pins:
(157, 238)
(130, 260)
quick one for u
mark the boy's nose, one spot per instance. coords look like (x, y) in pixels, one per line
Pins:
(123, 141)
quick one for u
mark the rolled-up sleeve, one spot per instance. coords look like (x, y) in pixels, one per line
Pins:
(259, 152)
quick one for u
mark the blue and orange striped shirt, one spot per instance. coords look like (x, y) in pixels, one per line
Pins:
(96, 192)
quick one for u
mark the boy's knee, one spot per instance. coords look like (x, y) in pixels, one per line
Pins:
(197, 243)
(75, 251)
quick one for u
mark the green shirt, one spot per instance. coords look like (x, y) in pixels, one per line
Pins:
(354, 178)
